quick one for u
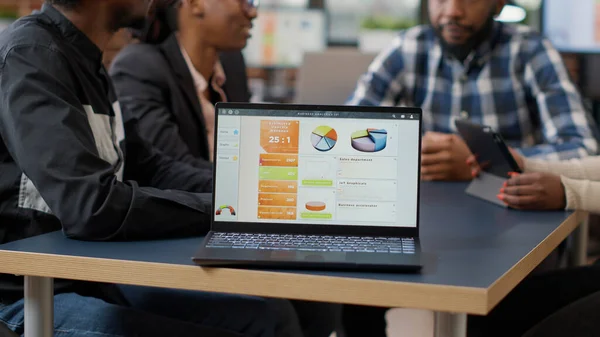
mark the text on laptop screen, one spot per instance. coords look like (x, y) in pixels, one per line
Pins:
(330, 168)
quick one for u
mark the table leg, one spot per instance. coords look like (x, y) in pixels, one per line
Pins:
(39, 306)
(580, 239)
(450, 325)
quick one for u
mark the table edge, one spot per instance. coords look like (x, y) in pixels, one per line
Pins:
(248, 282)
(438, 297)
(509, 280)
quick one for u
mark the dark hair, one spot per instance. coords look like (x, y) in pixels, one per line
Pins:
(65, 3)
(161, 22)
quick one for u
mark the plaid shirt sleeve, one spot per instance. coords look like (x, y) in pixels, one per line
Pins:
(567, 128)
(381, 85)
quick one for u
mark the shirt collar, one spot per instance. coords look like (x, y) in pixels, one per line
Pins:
(71, 33)
(486, 48)
(217, 80)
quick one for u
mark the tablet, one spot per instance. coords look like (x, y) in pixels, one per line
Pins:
(489, 147)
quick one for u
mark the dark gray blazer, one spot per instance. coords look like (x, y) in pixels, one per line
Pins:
(156, 90)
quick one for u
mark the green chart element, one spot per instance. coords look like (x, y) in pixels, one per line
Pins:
(278, 173)
(317, 216)
(314, 182)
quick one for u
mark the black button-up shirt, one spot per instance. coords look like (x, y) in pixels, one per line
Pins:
(64, 160)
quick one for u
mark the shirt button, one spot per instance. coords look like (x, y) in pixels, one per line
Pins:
(464, 114)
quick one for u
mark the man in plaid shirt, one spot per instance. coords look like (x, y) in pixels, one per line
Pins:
(466, 65)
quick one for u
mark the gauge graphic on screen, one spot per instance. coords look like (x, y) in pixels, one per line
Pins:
(225, 207)
(323, 138)
(369, 140)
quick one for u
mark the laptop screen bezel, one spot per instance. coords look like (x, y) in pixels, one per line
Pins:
(300, 228)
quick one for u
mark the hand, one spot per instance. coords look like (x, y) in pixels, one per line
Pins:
(476, 168)
(444, 157)
(540, 191)
(474, 165)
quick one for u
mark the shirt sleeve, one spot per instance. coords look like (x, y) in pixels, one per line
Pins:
(150, 167)
(47, 133)
(382, 84)
(143, 93)
(568, 129)
(585, 168)
(582, 194)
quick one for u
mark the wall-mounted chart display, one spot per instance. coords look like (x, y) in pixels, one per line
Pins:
(573, 25)
(281, 37)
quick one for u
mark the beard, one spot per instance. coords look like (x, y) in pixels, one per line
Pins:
(461, 51)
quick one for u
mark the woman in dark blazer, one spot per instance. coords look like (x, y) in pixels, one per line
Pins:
(157, 83)
(156, 86)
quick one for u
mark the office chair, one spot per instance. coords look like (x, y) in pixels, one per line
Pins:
(330, 77)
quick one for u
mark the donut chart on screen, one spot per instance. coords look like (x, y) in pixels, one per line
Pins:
(323, 138)
(315, 206)
(369, 140)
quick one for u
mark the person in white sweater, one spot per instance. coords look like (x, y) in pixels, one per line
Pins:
(573, 184)
(551, 185)
(533, 307)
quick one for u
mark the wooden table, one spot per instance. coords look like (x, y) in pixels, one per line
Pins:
(475, 253)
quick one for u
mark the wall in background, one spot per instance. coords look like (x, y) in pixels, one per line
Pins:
(19, 7)
(347, 19)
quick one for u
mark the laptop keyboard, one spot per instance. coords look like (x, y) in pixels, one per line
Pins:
(316, 243)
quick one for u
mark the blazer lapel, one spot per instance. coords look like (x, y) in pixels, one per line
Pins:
(172, 52)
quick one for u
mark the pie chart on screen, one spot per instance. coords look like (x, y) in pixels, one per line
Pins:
(369, 140)
(323, 138)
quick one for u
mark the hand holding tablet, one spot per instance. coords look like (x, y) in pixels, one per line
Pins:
(492, 161)
(489, 149)
(476, 169)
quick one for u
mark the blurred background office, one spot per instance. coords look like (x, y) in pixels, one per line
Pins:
(290, 35)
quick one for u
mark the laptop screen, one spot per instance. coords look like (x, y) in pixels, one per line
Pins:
(317, 167)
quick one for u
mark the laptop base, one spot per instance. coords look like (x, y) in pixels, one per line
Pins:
(301, 259)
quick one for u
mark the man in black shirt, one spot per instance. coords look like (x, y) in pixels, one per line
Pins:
(68, 162)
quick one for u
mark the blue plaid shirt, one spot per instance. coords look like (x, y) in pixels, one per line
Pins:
(514, 82)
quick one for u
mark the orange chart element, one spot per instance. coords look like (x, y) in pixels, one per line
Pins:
(276, 199)
(279, 136)
(276, 186)
(275, 159)
(277, 213)
(315, 206)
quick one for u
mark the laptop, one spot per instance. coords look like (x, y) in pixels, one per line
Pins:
(315, 187)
